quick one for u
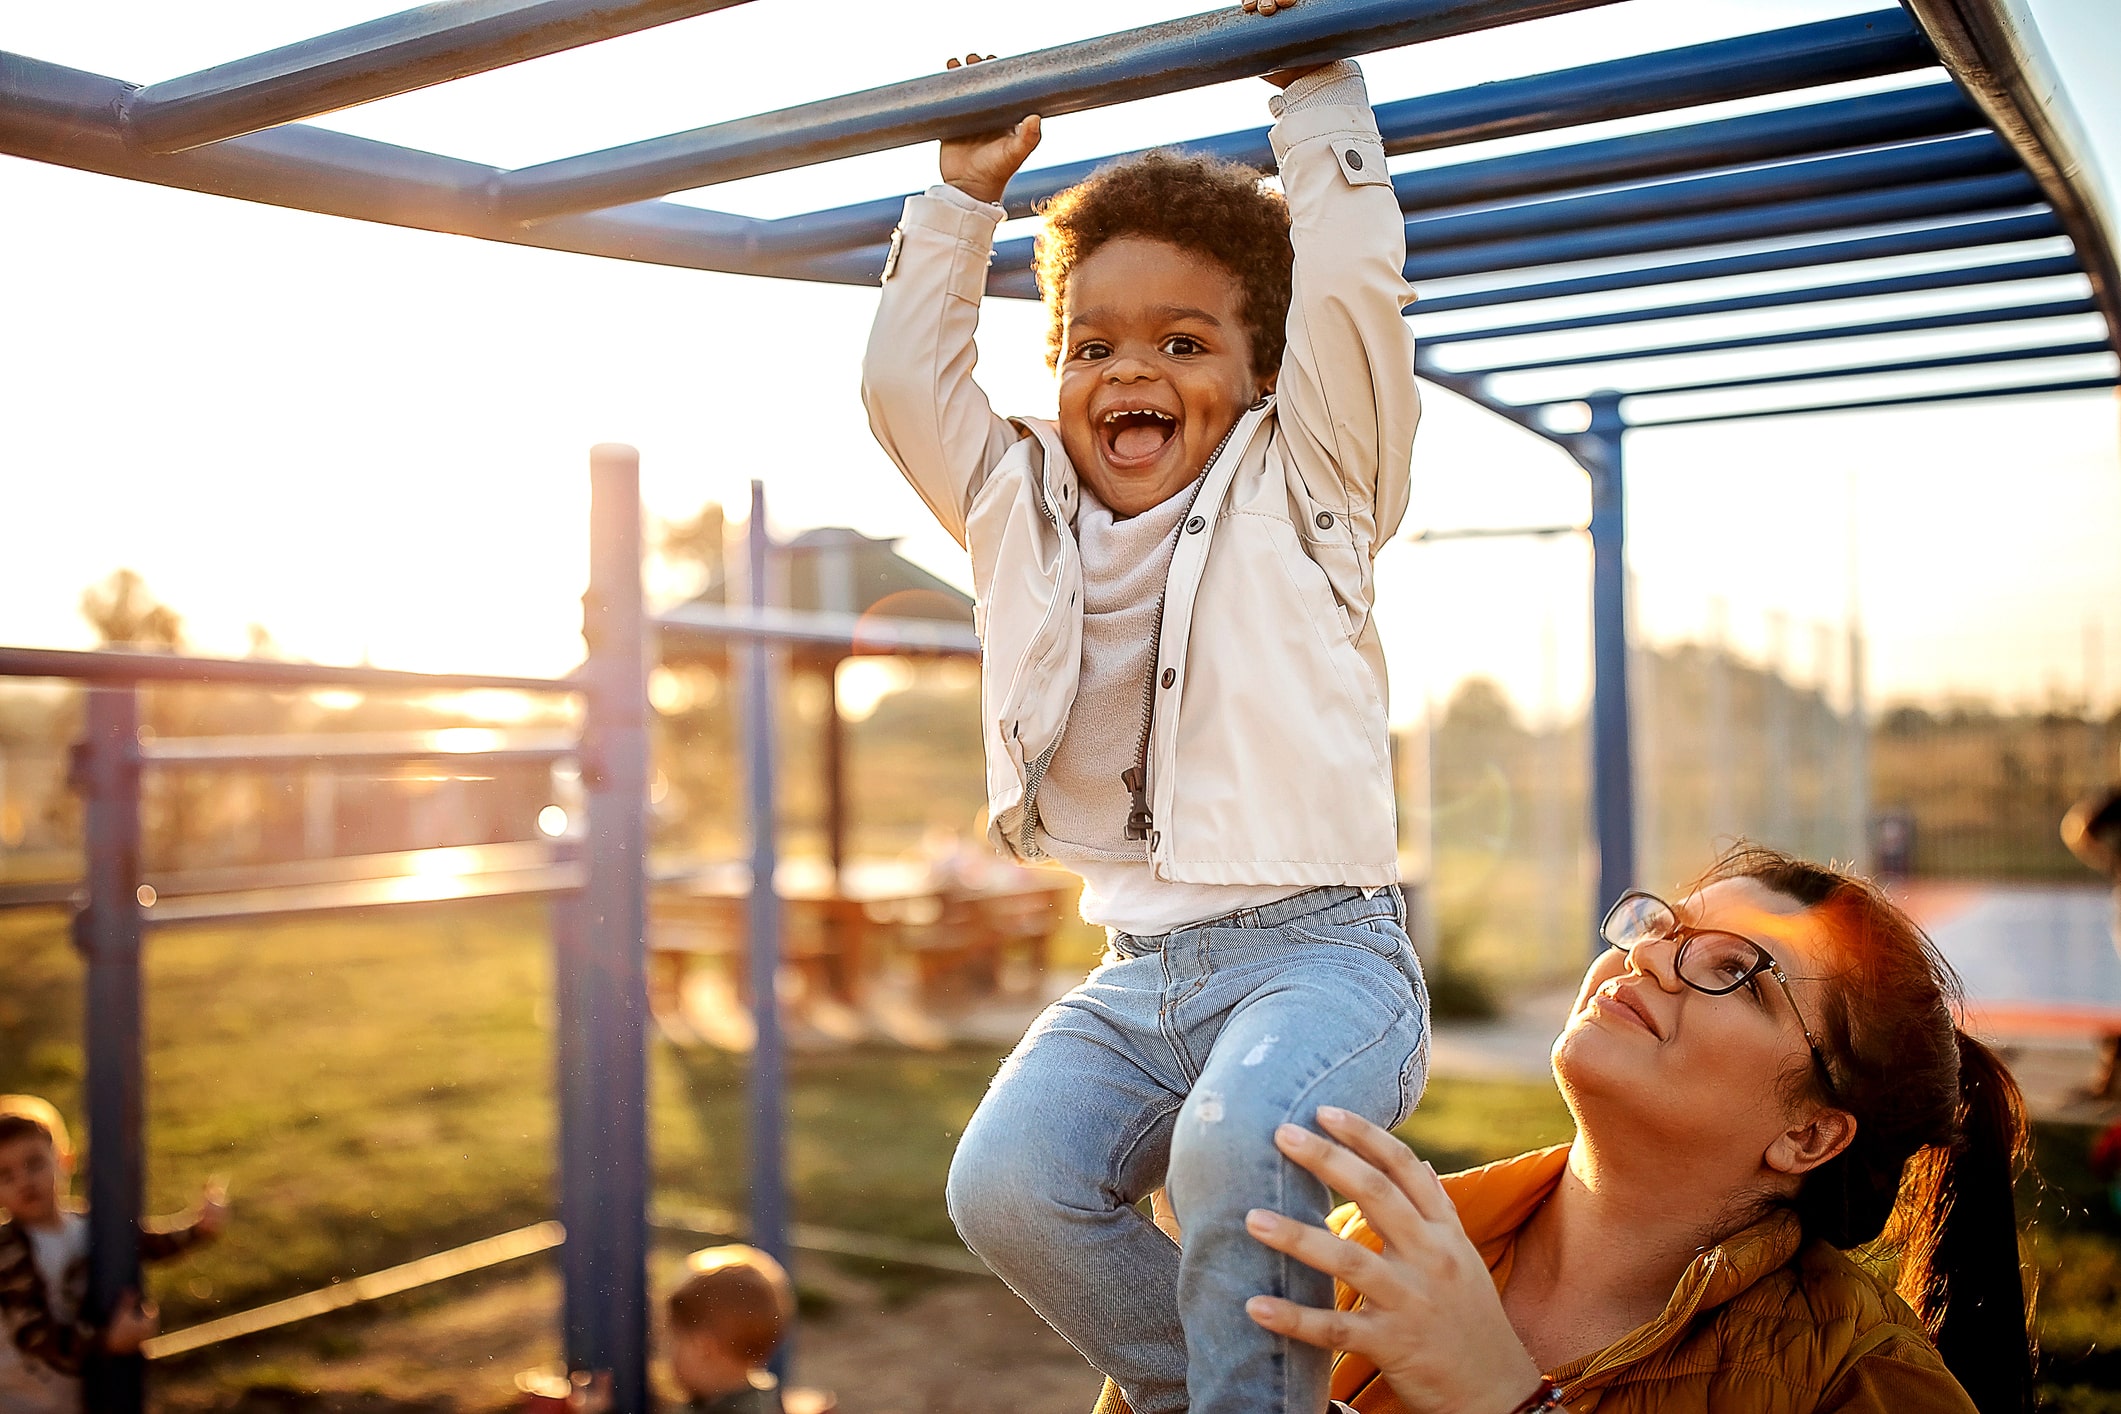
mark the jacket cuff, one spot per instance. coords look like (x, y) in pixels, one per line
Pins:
(1335, 120)
(943, 221)
(1338, 83)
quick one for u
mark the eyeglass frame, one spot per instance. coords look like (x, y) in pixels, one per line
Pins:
(1763, 961)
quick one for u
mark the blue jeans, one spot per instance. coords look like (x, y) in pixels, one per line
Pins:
(1171, 1065)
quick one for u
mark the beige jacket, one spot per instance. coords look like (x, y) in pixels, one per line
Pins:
(1269, 761)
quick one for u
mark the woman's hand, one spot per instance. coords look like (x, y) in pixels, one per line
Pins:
(1430, 1319)
(980, 166)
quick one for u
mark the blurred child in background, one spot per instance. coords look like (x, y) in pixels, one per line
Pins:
(44, 1335)
(726, 1320)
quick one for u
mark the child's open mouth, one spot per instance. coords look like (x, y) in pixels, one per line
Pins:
(1135, 437)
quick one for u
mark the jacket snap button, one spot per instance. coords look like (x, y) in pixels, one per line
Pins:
(1354, 160)
(1193, 525)
(1325, 520)
(1170, 676)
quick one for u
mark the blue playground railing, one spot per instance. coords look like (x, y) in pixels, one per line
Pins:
(1968, 178)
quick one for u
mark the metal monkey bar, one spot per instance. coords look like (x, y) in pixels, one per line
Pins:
(1949, 203)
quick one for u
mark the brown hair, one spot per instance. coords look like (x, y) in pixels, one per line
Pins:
(1200, 204)
(1940, 1128)
(22, 1116)
(737, 1294)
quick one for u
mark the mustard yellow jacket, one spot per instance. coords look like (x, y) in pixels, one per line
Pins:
(1764, 1323)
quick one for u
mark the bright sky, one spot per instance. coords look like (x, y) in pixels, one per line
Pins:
(373, 441)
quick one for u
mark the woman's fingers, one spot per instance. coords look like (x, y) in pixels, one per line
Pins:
(1330, 1329)
(1351, 1262)
(1387, 1209)
(1410, 1175)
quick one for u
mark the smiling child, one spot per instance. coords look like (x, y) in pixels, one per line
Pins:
(1183, 701)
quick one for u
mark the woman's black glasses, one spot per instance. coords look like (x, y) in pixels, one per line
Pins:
(1708, 960)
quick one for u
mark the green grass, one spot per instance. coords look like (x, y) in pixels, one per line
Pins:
(378, 1088)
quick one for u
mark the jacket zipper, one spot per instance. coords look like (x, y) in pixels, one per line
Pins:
(1140, 823)
(1035, 772)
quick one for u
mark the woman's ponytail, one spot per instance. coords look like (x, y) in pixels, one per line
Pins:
(1940, 1129)
(1957, 1232)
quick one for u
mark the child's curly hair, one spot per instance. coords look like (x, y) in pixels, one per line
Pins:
(1201, 204)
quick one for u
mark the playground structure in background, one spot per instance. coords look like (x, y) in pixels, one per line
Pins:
(1858, 217)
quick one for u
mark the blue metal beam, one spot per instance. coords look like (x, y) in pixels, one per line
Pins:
(1955, 319)
(2074, 385)
(1985, 358)
(49, 113)
(1837, 50)
(107, 931)
(1806, 217)
(121, 667)
(604, 1114)
(1783, 135)
(1717, 227)
(768, 1097)
(1225, 44)
(394, 54)
(1968, 276)
(1941, 160)
(1958, 235)
(1599, 451)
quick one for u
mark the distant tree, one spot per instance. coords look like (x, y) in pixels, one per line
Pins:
(1480, 704)
(124, 613)
(696, 544)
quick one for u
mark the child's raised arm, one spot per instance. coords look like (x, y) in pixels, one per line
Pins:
(924, 407)
(1347, 403)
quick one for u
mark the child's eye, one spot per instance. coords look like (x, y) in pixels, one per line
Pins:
(1093, 349)
(1182, 346)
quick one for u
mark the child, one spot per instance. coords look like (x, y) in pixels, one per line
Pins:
(726, 1321)
(44, 1266)
(1184, 702)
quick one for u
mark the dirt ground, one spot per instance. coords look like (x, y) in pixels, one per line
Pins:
(883, 1344)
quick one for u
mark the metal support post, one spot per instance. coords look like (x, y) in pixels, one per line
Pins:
(769, 1206)
(107, 930)
(602, 986)
(1612, 756)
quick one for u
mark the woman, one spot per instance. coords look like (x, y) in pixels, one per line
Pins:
(1762, 1077)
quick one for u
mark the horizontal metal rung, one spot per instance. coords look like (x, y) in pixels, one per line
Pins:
(855, 633)
(360, 894)
(1956, 319)
(381, 57)
(479, 746)
(1156, 59)
(2076, 385)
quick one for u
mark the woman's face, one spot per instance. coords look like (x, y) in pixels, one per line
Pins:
(1646, 1057)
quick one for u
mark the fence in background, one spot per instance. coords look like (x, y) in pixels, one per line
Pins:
(596, 879)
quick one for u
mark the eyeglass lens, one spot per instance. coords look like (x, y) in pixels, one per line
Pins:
(1709, 962)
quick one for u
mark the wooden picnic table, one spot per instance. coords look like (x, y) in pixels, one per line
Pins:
(956, 925)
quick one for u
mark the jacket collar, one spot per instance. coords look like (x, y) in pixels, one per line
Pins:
(1495, 1201)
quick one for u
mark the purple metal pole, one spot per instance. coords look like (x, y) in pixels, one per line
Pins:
(769, 1203)
(107, 931)
(602, 982)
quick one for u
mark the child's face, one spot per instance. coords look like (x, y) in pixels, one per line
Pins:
(1155, 368)
(703, 1367)
(30, 1173)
